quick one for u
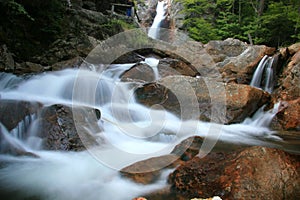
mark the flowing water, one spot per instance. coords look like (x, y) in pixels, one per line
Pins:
(127, 125)
(263, 76)
(161, 12)
(134, 131)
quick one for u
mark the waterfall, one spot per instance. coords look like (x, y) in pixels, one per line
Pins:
(9, 80)
(161, 13)
(153, 63)
(129, 128)
(264, 75)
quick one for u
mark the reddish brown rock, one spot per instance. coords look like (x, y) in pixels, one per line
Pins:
(184, 95)
(165, 194)
(253, 173)
(148, 171)
(289, 80)
(242, 101)
(188, 148)
(289, 117)
(294, 48)
(289, 92)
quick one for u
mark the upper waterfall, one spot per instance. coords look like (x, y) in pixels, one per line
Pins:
(161, 13)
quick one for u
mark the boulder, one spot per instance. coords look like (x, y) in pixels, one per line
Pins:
(169, 67)
(71, 63)
(66, 49)
(85, 30)
(204, 99)
(14, 111)
(240, 68)
(140, 72)
(242, 101)
(235, 59)
(29, 67)
(58, 128)
(188, 148)
(220, 50)
(166, 67)
(148, 171)
(294, 48)
(289, 117)
(252, 173)
(289, 80)
(165, 194)
(288, 91)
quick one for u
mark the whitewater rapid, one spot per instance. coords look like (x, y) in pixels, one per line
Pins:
(133, 131)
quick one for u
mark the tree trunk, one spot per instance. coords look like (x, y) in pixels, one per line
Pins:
(261, 6)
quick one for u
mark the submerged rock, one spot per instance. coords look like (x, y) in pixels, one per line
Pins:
(252, 173)
(14, 111)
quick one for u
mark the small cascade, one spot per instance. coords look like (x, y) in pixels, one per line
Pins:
(9, 143)
(263, 118)
(264, 75)
(161, 14)
(153, 63)
(8, 81)
(23, 126)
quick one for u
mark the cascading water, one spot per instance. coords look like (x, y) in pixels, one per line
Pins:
(161, 12)
(264, 75)
(153, 63)
(126, 124)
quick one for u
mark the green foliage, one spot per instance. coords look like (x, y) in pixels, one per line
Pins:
(122, 23)
(272, 22)
(14, 9)
(201, 30)
(27, 26)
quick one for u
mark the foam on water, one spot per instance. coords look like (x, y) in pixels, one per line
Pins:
(129, 127)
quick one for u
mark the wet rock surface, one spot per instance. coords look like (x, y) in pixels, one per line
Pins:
(60, 131)
(14, 111)
(184, 95)
(148, 171)
(255, 172)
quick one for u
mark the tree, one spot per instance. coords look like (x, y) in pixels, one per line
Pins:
(271, 22)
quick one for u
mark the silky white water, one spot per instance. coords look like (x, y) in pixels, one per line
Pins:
(263, 76)
(153, 63)
(161, 11)
(129, 127)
